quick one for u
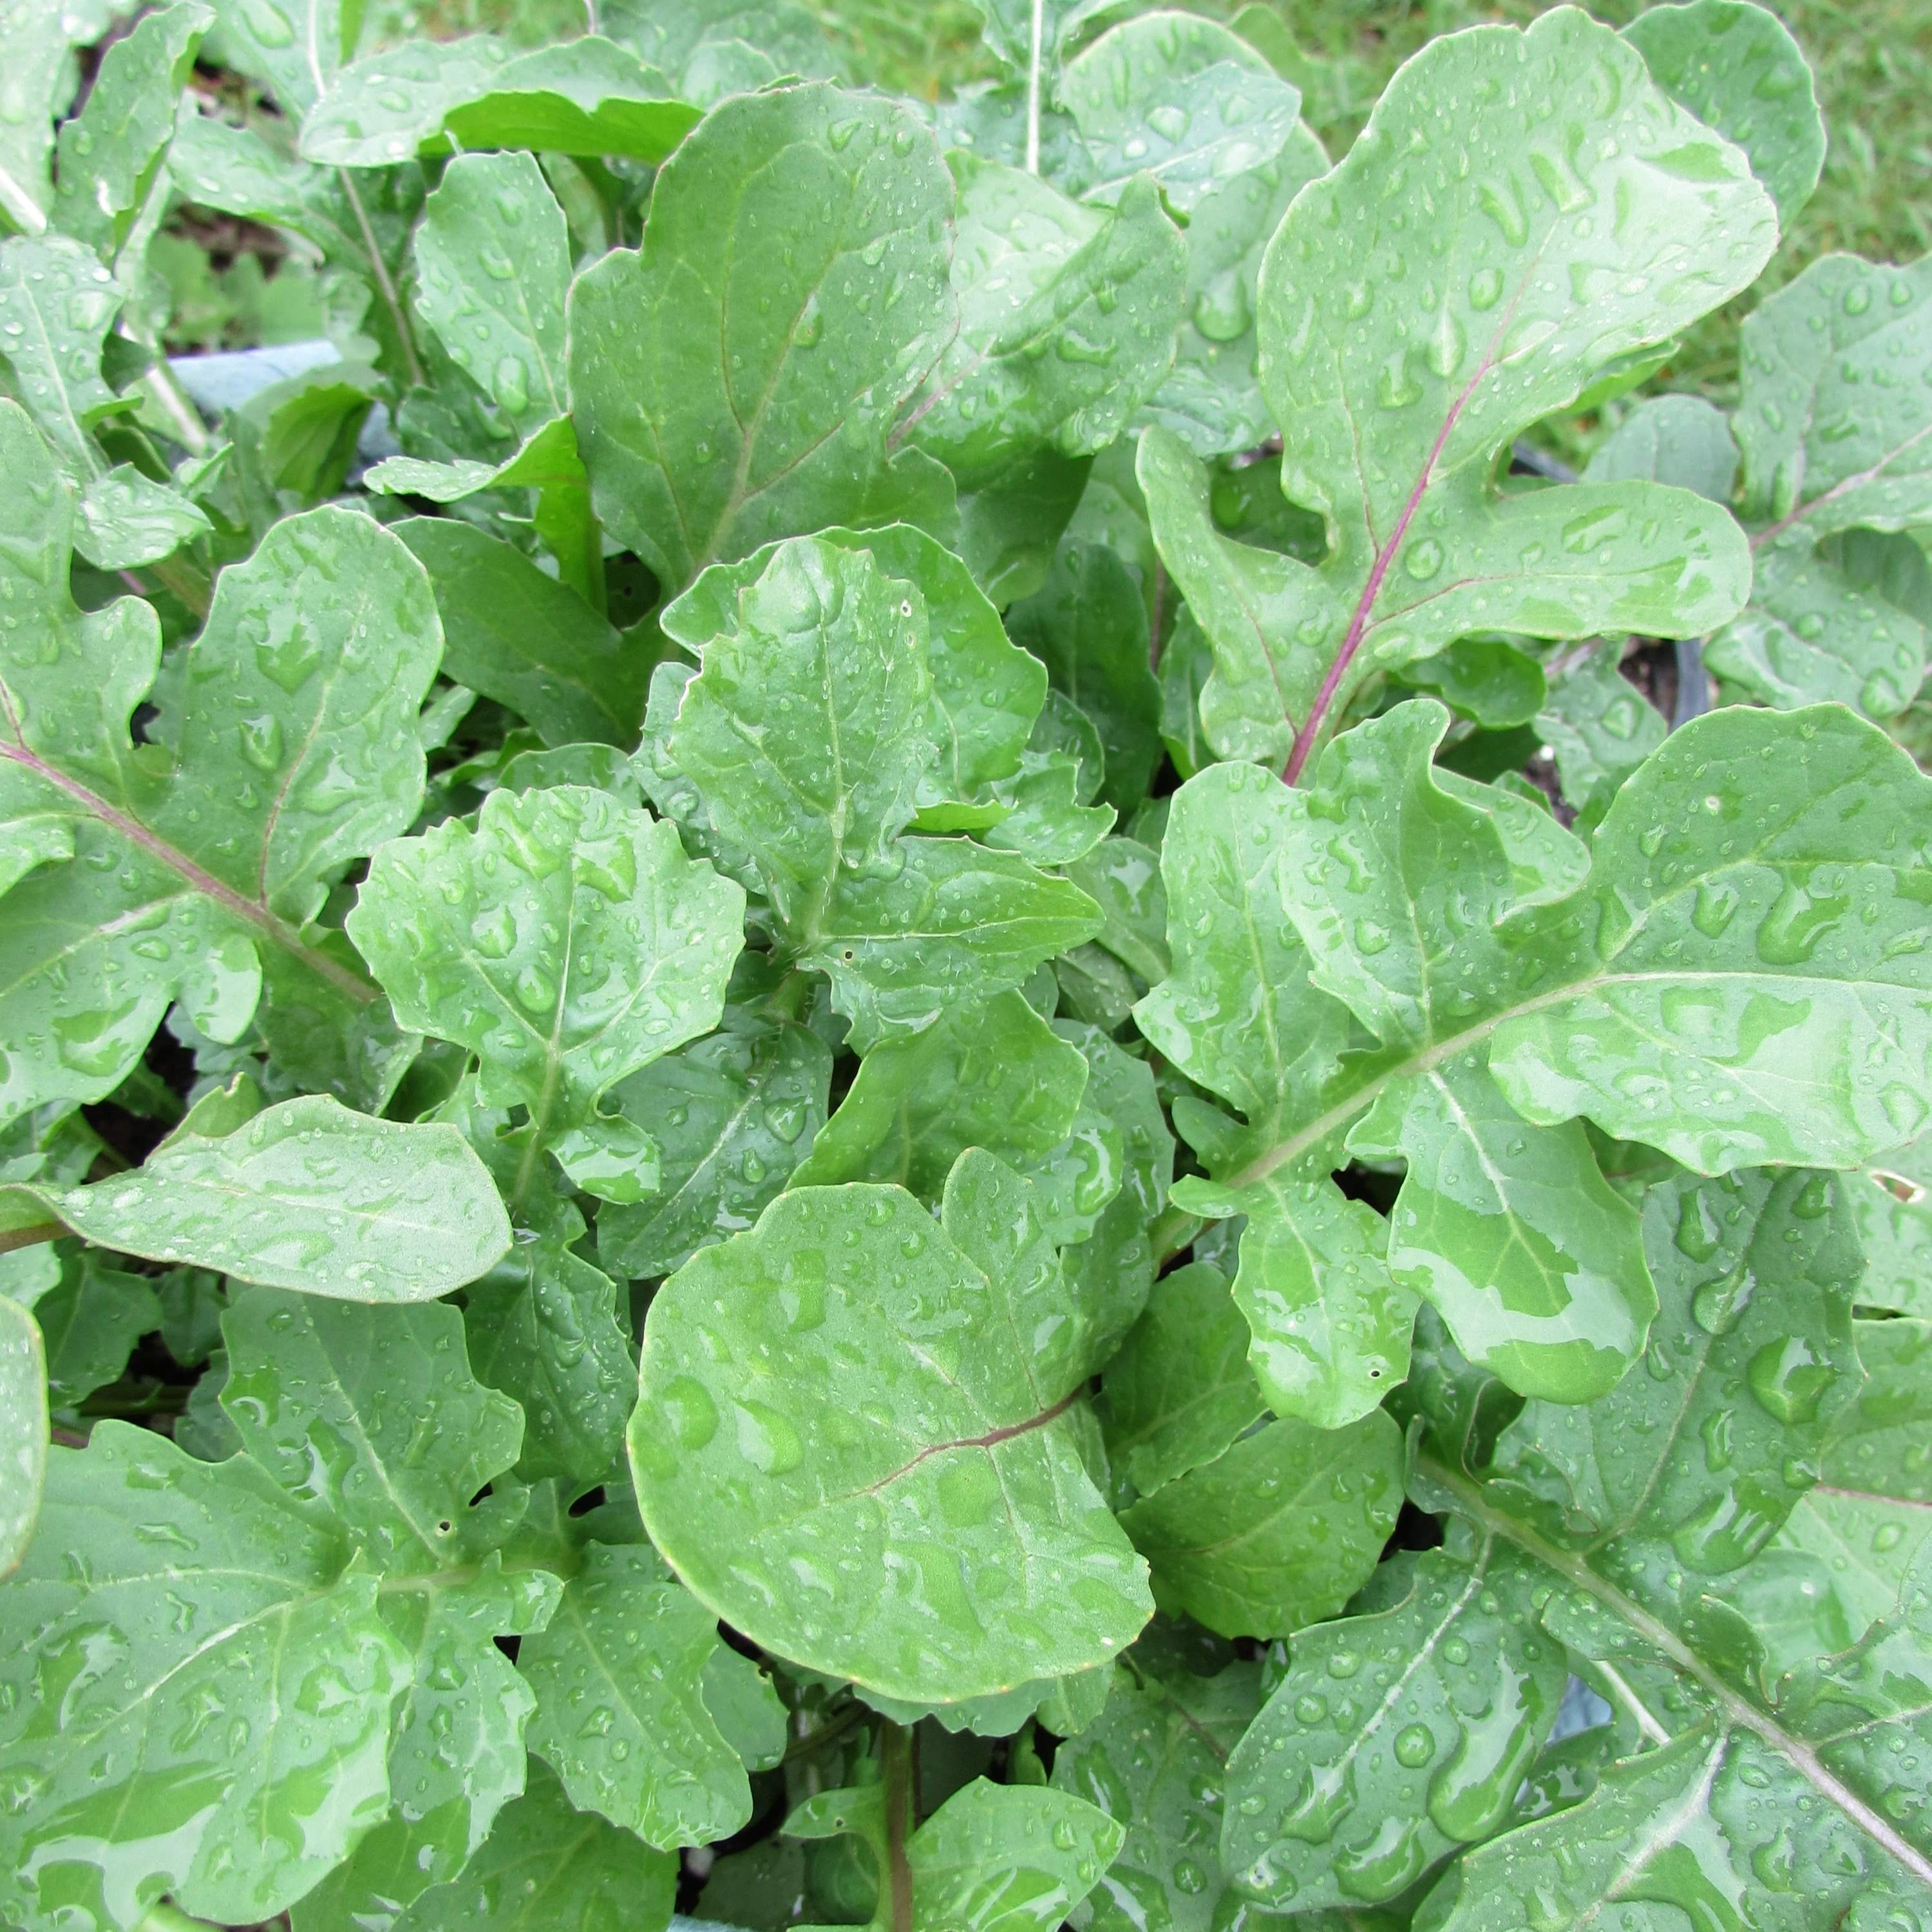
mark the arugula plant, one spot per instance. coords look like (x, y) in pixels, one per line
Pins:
(916, 1094)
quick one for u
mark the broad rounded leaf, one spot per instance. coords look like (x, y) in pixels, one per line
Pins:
(1736, 67)
(843, 1487)
(711, 425)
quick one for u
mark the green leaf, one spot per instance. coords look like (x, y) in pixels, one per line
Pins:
(1178, 97)
(23, 1429)
(492, 257)
(202, 1585)
(734, 1116)
(1895, 1231)
(295, 47)
(546, 1864)
(806, 737)
(36, 51)
(544, 1329)
(331, 1398)
(986, 691)
(1600, 727)
(301, 435)
(849, 1520)
(307, 1195)
(567, 941)
(717, 47)
(1765, 1781)
(585, 97)
(1212, 397)
(127, 520)
(1485, 679)
(703, 420)
(1156, 1763)
(1665, 998)
(1067, 321)
(234, 170)
(89, 1323)
(382, 108)
(1048, 1849)
(1394, 446)
(1752, 1354)
(1395, 1737)
(1681, 440)
(1180, 1390)
(1122, 877)
(1822, 457)
(823, 641)
(1750, 927)
(1866, 1519)
(994, 1076)
(110, 154)
(456, 1749)
(1029, 36)
(1239, 1014)
(582, 97)
(1088, 626)
(1248, 603)
(1737, 68)
(57, 304)
(291, 725)
(1278, 1533)
(621, 1714)
(1533, 1261)
(374, 1413)
(548, 465)
(520, 637)
(1329, 1319)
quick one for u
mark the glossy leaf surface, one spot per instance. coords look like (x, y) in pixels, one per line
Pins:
(710, 427)
(1277, 1533)
(306, 1195)
(953, 1451)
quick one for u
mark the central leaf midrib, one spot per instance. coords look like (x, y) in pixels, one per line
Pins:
(1734, 1711)
(271, 927)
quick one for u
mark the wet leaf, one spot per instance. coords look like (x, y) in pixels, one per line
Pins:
(806, 737)
(1822, 457)
(687, 466)
(1277, 1533)
(734, 1116)
(567, 942)
(548, 1864)
(1737, 68)
(23, 1432)
(621, 1717)
(493, 258)
(943, 1443)
(1395, 1736)
(306, 1195)
(290, 728)
(1389, 438)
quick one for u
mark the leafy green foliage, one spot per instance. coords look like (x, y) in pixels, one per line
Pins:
(851, 1092)
(953, 1457)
